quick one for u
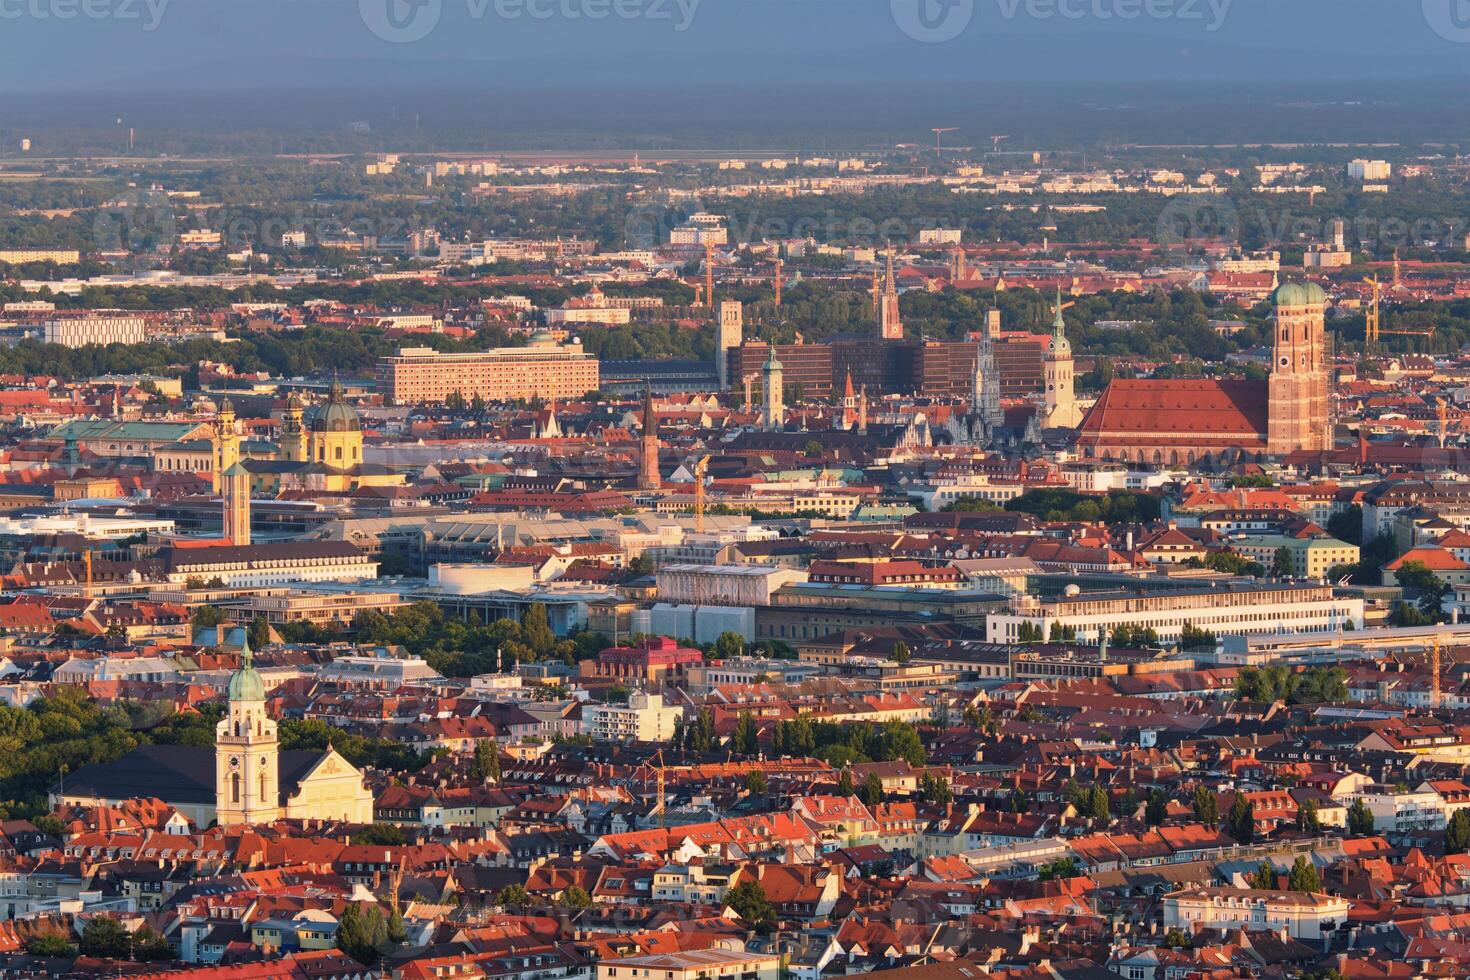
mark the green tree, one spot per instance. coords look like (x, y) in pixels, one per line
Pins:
(259, 633)
(1303, 876)
(1206, 806)
(575, 897)
(747, 735)
(969, 505)
(486, 764)
(105, 938)
(1060, 868)
(1176, 939)
(729, 645)
(935, 789)
(1359, 819)
(1457, 833)
(536, 630)
(1156, 811)
(362, 933)
(845, 785)
(1281, 563)
(1099, 807)
(208, 617)
(1307, 819)
(872, 793)
(1264, 877)
(51, 944)
(1241, 822)
(749, 901)
(755, 782)
(513, 897)
(900, 653)
(381, 835)
(1419, 580)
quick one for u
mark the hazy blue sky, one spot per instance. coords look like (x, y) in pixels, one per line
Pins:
(190, 44)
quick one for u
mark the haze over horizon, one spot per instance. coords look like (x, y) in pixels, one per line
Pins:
(194, 45)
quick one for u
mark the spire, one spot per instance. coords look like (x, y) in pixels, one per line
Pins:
(247, 658)
(1058, 325)
(888, 281)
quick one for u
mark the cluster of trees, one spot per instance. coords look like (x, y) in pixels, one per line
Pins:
(456, 648)
(105, 938)
(1302, 877)
(366, 934)
(1092, 803)
(1227, 563)
(1278, 682)
(1115, 507)
(838, 744)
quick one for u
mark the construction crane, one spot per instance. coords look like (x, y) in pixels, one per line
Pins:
(1374, 327)
(1442, 410)
(709, 274)
(996, 141)
(778, 282)
(1436, 695)
(701, 467)
(939, 131)
(659, 777)
(1371, 321)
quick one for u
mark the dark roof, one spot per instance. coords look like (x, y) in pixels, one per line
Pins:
(175, 774)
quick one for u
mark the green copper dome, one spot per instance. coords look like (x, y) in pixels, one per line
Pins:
(1298, 294)
(246, 683)
(336, 415)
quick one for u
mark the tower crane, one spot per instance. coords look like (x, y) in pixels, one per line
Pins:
(701, 467)
(939, 131)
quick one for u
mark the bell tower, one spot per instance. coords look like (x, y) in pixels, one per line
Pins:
(247, 753)
(1299, 417)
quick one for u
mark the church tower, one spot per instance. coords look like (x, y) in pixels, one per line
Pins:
(1299, 416)
(226, 444)
(728, 336)
(247, 753)
(890, 327)
(1060, 401)
(648, 473)
(849, 403)
(774, 416)
(985, 392)
(293, 432)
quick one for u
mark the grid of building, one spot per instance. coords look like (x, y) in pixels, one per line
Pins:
(81, 331)
(544, 369)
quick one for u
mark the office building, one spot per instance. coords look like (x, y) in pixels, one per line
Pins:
(542, 369)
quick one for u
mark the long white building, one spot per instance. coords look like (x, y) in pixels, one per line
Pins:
(1234, 608)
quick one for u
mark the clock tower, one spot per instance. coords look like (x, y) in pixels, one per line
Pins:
(247, 753)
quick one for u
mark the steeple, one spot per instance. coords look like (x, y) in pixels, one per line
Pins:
(890, 327)
(1058, 324)
(775, 411)
(247, 752)
(649, 477)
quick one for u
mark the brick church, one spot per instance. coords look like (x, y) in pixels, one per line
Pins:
(1198, 421)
